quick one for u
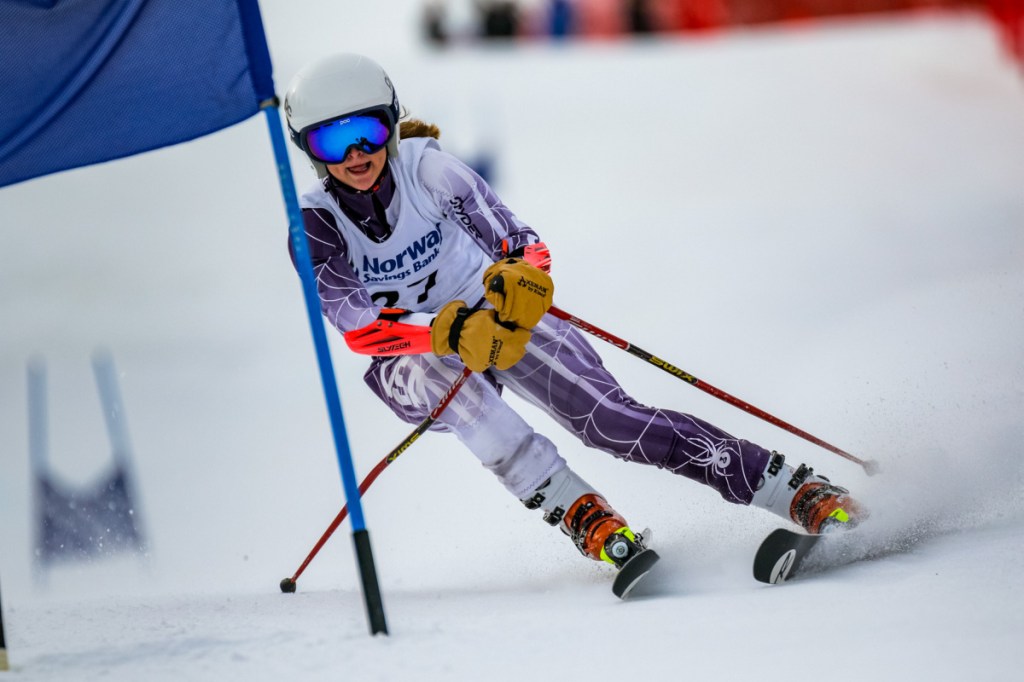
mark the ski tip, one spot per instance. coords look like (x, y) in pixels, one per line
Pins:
(779, 557)
(633, 571)
(781, 568)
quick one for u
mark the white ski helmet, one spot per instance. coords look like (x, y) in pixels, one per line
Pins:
(333, 88)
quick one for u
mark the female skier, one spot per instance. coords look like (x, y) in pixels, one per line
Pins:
(404, 237)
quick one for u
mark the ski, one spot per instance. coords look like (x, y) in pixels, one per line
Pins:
(781, 554)
(786, 554)
(633, 571)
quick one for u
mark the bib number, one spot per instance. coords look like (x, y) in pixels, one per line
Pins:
(389, 299)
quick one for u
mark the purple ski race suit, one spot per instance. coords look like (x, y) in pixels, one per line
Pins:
(561, 373)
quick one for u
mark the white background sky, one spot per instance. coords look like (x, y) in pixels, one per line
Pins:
(825, 222)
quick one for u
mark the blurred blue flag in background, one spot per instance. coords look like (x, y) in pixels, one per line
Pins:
(86, 81)
(82, 521)
(76, 523)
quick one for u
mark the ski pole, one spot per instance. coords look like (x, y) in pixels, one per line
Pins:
(289, 584)
(870, 466)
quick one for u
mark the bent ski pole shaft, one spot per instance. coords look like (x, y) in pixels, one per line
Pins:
(870, 466)
(289, 584)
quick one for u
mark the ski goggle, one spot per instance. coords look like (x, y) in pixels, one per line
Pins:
(331, 142)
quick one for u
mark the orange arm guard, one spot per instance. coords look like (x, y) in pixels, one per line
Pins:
(387, 336)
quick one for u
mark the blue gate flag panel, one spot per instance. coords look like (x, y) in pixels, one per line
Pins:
(86, 81)
(95, 520)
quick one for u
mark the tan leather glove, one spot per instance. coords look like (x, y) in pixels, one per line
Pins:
(477, 336)
(519, 292)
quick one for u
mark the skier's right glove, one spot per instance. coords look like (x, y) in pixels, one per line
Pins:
(479, 338)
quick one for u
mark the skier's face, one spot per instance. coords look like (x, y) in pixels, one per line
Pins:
(359, 170)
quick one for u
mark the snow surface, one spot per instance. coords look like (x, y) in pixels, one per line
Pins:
(826, 222)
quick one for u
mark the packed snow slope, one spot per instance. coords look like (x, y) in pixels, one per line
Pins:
(826, 222)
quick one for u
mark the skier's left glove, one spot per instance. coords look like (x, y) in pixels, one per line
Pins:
(478, 336)
(520, 292)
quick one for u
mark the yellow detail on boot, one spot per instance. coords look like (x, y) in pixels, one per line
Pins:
(840, 515)
(622, 531)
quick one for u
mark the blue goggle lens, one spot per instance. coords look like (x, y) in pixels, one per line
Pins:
(332, 142)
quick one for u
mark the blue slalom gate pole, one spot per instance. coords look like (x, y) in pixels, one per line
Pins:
(300, 245)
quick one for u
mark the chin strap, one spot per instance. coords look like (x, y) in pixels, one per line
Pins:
(387, 336)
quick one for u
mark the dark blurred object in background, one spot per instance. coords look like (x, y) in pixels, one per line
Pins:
(638, 16)
(434, 28)
(498, 18)
(560, 18)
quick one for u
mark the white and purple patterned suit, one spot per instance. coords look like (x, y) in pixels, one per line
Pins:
(422, 239)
